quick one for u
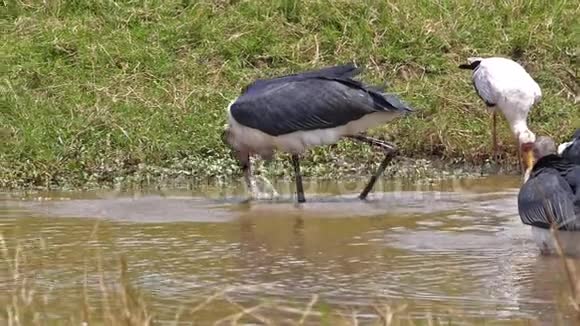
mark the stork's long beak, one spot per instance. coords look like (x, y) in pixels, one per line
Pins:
(527, 157)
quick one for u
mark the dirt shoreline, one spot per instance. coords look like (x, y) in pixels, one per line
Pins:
(149, 176)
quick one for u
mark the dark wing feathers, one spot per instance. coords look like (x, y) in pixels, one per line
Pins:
(470, 66)
(319, 101)
(344, 71)
(302, 105)
(341, 71)
(384, 100)
(396, 102)
(481, 95)
(573, 179)
(551, 194)
(572, 152)
(551, 162)
(547, 198)
(482, 85)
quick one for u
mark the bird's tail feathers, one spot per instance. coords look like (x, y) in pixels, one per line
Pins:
(348, 70)
(471, 64)
(344, 71)
(385, 100)
(377, 88)
(395, 102)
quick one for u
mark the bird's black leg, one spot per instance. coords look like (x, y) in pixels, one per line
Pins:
(390, 152)
(374, 177)
(387, 147)
(299, 186)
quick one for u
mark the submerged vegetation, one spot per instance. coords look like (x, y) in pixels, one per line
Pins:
(101, 91)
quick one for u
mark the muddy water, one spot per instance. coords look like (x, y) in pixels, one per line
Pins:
(453, 245)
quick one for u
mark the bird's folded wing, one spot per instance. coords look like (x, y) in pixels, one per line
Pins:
(571, 150)
(341, 71)
(573, 179)
(545, 199)
(309, 104)
(484, 87)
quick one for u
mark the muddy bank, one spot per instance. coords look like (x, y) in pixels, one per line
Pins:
(193, 173)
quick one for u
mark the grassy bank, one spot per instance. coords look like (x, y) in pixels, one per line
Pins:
(97, 91)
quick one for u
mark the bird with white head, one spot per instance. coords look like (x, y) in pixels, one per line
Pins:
(505, 85)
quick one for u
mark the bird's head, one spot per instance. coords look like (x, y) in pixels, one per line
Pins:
(542, 146)
(526, 140)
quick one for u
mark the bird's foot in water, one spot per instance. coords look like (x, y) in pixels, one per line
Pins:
(263, 196)
(257, 194)
(271, 193)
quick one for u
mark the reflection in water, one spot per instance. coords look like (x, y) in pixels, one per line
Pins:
(453, 245)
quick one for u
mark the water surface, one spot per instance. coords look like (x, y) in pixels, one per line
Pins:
(452, 245)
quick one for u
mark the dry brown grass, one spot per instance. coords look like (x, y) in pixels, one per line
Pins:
(571, 271)
(118, 302)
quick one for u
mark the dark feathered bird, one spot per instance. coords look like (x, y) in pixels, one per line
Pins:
(571, 149)
(551, 196)
(295, 112)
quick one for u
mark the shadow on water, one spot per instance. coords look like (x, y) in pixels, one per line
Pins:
(449, 245)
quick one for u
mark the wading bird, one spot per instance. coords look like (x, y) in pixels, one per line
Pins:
(571, 149)
(295, 112)
(505, 85)
(551, 196)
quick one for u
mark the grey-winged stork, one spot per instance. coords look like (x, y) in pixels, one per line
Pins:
(571, 149)
(551, 196)
(295, 112)
(505, 85)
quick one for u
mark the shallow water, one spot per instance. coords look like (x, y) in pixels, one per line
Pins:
(452, 245)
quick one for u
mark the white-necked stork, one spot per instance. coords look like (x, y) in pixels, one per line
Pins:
(551, 196)
(505, 85)
(295, 112)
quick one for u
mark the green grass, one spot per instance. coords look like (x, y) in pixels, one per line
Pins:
(102, 90)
